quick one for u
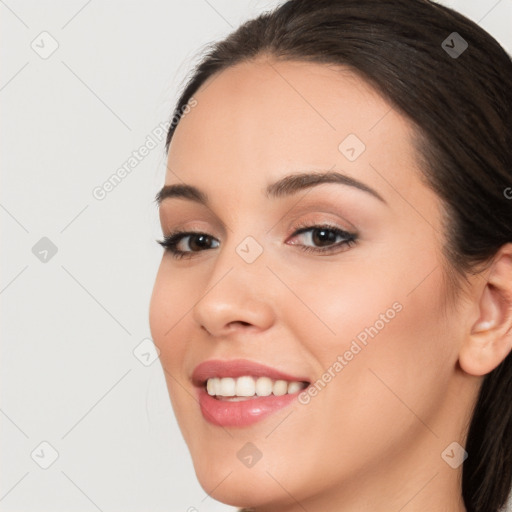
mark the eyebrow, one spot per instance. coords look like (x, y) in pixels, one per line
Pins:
(287, 186)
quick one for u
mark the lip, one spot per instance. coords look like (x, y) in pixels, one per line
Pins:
(237, 368)
(246, 412)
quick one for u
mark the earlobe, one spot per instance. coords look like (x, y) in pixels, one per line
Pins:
(490, 338)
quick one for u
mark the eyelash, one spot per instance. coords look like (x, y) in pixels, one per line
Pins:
(170, 241)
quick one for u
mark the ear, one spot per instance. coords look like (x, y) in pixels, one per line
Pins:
(490, 339)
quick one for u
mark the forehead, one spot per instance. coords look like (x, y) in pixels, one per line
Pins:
(257, 120)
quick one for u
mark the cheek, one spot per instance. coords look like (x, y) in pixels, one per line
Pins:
(392, 352)
(389, 297)
(168, 313)
(168, 307)
(376, 320)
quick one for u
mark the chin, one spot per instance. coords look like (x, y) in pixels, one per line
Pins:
(238, 487)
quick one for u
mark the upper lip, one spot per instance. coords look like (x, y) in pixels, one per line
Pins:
(237, 368)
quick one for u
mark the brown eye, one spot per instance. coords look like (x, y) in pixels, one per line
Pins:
(324, 238)
(176, 243)
(199, 242)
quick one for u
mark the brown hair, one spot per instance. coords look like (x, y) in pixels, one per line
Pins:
(460, 100)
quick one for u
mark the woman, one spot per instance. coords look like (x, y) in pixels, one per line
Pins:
(334, 305)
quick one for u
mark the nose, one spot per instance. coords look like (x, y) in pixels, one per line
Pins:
(236, 296)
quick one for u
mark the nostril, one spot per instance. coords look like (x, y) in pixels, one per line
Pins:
(239, 322)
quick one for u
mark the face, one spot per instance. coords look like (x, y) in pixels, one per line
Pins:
(335, 283)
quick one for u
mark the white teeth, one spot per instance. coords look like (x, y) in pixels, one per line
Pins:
(211, 386)
(280, 387)
(293, 387)
(245, 386)
(264, 386)
(226, 386)
(248, 386)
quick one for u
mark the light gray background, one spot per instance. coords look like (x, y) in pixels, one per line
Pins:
(68, 122)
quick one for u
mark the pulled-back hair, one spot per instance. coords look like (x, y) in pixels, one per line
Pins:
(460, 102)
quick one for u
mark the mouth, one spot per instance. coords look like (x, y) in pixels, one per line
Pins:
(249, 387)
(241, 392)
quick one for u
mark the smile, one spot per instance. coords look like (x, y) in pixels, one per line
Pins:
(246, 387)
(239, 393)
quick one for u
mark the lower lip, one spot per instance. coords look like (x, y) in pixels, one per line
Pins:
(242, 413)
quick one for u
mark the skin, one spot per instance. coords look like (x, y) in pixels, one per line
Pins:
(372, 438)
